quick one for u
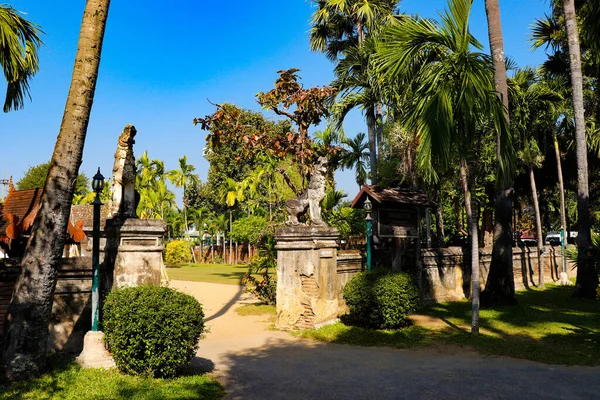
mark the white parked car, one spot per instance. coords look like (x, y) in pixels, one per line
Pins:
(552, 238)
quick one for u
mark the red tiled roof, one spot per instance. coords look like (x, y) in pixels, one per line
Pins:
(23, 204)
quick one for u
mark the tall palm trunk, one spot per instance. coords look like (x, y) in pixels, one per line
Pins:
(371, 128)
(29, 312)
(564, 278)
(473, 235)
(500, 285)
(379, 128)
(538, 227)
(587, 278)
(439, 216)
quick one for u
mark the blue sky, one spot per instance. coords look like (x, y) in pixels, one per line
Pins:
(163, 61)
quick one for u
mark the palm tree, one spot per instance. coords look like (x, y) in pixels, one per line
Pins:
(500, 284)
(454, 89)
(587, 278)
(532, 105)
(183, 177)
(340, 28)
(29, 312)
(20, 41)
(356, 155)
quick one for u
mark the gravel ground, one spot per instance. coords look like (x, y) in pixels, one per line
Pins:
(254, 362)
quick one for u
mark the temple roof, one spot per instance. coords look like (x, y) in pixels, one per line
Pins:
(21, 206)
(85, 213)
(391, 197)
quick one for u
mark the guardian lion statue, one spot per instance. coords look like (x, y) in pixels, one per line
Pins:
(124, 202)
(311, 197)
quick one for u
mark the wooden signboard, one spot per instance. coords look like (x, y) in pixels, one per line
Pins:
(399, 223)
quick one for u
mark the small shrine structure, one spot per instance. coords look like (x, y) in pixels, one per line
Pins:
(398, 215)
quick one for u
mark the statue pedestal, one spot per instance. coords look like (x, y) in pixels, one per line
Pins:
(134, 247)
(307, 290)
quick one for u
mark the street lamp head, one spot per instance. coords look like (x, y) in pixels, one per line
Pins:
(98, 182)
(368, 206)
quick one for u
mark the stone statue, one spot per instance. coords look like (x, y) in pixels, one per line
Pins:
(124, 172)
(311, 197)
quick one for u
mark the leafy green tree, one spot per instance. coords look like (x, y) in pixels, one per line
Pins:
(455, 89)
(20, 41)
(35, 177)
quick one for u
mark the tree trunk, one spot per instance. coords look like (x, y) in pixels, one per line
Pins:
(29, 312)
(564, 278)
(538, 227)
(379, 128)
(500, 284)
(439, 216)
(371, 124)
(587, 278)
(472, 222)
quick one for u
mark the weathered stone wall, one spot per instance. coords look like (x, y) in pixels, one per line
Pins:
(446, 279)
(307, 281)
(71, 310)
(349, 263)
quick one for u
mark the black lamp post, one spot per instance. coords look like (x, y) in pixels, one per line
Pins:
(368, 206)
(97, 186)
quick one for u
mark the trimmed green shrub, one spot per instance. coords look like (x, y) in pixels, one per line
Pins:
(152, 331)
(178, 252)
(381, 300)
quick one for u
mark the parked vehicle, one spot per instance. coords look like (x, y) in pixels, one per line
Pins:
(552, 239)
(527, 240)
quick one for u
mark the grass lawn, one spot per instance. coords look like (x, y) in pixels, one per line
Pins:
(212, 273)
(66, 380)
(256, 309)
(546, 326)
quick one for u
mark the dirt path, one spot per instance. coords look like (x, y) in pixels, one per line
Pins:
(256, 363)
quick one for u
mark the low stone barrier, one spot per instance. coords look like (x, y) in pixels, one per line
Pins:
(71, 309)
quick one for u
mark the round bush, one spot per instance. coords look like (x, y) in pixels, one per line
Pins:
(178, 252)
(151, 330)
(381, 300)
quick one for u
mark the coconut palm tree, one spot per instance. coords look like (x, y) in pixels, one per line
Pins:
(500, 285)
(454, 90)
(340, 29)
(356, 155)
(29, 312)
(183, 177)
(587, 277)
(20, 41)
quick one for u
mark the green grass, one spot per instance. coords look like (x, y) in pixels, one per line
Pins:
(66, 380)
(211, 273)
(256, 309)
(546, 326)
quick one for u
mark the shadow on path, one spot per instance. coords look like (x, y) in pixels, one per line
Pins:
(227, 306)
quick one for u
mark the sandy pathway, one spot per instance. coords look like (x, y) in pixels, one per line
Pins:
(253, 362)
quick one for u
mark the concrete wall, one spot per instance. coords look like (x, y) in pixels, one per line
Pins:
(71, 310)
(446, 279)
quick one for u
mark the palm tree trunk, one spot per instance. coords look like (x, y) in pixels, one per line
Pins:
(379, 128)
(29, 312)
(371, 124)
(472, 222)
(587, 278)
(500, 285)
(538, 227)
(564, 279)
(439, 216)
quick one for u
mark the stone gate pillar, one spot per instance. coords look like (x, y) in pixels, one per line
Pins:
(134, 251)
(307, 289)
